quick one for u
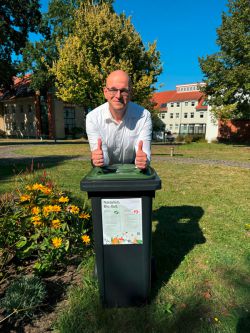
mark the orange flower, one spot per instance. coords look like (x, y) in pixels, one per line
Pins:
(115, 240)
(35, 210)
(84, 216)
(63, 199)
(25, 197)
(57, 242)
(56, 224)
(86, 239)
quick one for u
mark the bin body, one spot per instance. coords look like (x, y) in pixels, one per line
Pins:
(123, 264)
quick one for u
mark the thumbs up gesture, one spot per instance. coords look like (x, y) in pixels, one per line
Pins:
(141, 157)
(97, 155)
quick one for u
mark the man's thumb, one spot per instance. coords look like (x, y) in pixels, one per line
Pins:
(140, 144)
(99, 144)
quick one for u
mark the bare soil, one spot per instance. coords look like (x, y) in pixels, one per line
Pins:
(57, 285)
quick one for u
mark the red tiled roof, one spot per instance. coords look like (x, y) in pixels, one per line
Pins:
(200, 105)
(173, 96)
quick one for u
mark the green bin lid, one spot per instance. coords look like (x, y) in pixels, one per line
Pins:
(120, 177)
(120, 172)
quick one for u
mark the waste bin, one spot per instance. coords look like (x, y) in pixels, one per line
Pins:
(121, 197)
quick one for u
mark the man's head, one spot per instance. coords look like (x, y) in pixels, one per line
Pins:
(117, 91)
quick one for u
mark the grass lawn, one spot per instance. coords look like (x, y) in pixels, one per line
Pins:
(199, 240)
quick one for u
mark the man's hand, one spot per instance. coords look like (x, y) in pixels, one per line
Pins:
(141, 157)
(97, 155)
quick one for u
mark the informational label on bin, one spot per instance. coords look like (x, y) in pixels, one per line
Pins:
(122, 221)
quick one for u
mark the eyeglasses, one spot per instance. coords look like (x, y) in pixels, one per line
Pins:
(113, 91)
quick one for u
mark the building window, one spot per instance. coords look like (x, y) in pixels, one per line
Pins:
(172, 105)
(171, 126)
(171, 115)
(163, 105)
(177, 115)
(176, 127)
(193, 103)
(178, 104)
(185, 115)
(163, 116)
(186, 103)
(191, 129)
(69, 119)
(201, 115)
(192, 115)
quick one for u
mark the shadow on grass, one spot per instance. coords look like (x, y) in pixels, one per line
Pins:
(10, 167)
(41, 143)
(176, 234)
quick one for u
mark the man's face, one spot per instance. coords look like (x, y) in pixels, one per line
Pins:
(117, 92)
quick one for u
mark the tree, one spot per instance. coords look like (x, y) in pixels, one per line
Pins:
(227, 72)
(39, 56)
(17, 19)
(103, 41)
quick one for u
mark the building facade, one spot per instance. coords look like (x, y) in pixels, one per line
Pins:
(184, 110)
(28, 114)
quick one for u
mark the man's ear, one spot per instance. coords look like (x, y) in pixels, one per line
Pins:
(105, 92)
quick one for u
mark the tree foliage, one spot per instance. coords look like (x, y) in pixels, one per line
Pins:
(227, 72)
(103, 41)
(39, 56)
(17, 19)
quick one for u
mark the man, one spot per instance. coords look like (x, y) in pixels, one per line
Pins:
(119, 131)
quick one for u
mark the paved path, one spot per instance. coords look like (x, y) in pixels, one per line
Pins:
(8, 156)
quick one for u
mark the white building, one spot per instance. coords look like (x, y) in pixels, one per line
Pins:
(185, 111)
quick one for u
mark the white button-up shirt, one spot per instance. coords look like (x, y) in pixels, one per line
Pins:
(120, 140)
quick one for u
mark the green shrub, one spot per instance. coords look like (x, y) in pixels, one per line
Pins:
(24, 296)
(188, 139)
(179, 138)
(42, 223)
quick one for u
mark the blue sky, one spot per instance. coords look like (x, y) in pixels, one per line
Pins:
(184, 30)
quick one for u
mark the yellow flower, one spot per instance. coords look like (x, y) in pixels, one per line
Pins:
(216, 319)
(84, 216)
(25, 197)
(37, 187)
(56, 223)
(56, 208)
(63, 199)
(37, 223)
(46, 190)
(73, 209)
(48, 209)
(35, 218)
(28, 187)
(35, 210)
(57, 242)
(85, 239)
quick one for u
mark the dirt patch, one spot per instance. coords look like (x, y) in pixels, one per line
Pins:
(57, 286)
